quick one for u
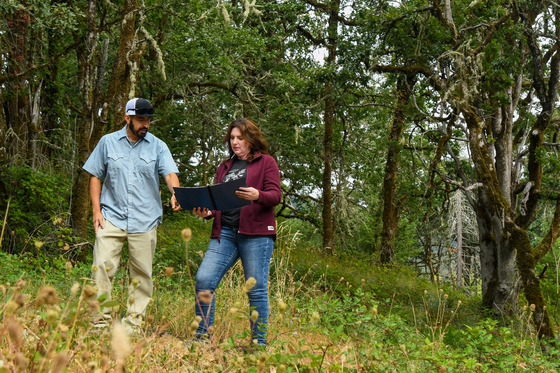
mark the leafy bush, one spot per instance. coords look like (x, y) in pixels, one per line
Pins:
(38, 210)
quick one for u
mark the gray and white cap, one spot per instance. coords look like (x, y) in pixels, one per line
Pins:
(139, 106)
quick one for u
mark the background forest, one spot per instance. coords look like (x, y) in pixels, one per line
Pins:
(417, 143)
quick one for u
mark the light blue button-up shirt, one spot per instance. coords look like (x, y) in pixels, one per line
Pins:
(130, 197)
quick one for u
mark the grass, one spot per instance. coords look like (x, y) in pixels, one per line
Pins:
(328, 314)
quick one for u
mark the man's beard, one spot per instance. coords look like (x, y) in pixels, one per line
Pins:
(139, 131)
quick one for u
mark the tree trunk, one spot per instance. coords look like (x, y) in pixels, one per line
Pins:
(92, 124)
(328, 231)
(390, 209)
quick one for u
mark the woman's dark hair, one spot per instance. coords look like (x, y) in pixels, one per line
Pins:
(251, 134)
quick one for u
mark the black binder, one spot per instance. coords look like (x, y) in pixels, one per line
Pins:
(214, 197)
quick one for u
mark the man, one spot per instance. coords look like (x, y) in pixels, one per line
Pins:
(128, 206)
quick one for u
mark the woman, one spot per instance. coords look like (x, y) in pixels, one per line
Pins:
(247, 233)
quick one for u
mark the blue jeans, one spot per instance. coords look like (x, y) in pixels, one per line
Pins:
(255, 253)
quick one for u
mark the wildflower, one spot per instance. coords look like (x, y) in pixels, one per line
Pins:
(68, 266)
(445, 296)
(281, 368)
(532, 307)
(66, 247)
(254, 316)
(249, 284)
(187, 234)
(425, 292)
(38, 244)
(94, 268)
(63, 328)
(440, 291)
(135, 282)
(46, 295)
(459, 303)
(120, 342)
(374, 311)
(315, 317)
(168, 271)
(107, 269)
(403, 348)
(131, 299)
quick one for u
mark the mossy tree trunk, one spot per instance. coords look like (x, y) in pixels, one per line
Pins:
(390, 208)
(98, 105)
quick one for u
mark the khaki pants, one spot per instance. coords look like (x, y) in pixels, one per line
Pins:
(107, 256)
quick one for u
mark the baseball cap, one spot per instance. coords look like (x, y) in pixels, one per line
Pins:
(139, 106)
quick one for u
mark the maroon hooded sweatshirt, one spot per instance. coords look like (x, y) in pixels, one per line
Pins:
(256, 219)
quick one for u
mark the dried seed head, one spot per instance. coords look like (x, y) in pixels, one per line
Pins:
(135, 282)
(52, 315)
(20, 284)
(374, 311)
(68, 266)
(532, 307)
(11, 307)
(46, 295)
(187, 234)
(95, 306)
(20, 299)
(445, 296)
(107, 269)
(131, 300)
(120, 342)
(59, 362)
(198, 319)
(282, 306)
(249, 284)
(205, 297)
(89, 291)
(15, 331)
(440, 291)
(254, 316)
(315, 317)
(194, 326)
(75, 288)
(94, 268)
(39, 244)
(168, 271)
(20, 362)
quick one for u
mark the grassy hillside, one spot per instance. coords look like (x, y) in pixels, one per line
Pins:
(328, 313)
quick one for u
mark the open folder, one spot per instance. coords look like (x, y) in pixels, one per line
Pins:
(214, 197)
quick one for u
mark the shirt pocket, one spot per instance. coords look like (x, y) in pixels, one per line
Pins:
(115, 162)
(147, 164)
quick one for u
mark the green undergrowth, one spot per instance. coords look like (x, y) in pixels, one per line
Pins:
(335, 313)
